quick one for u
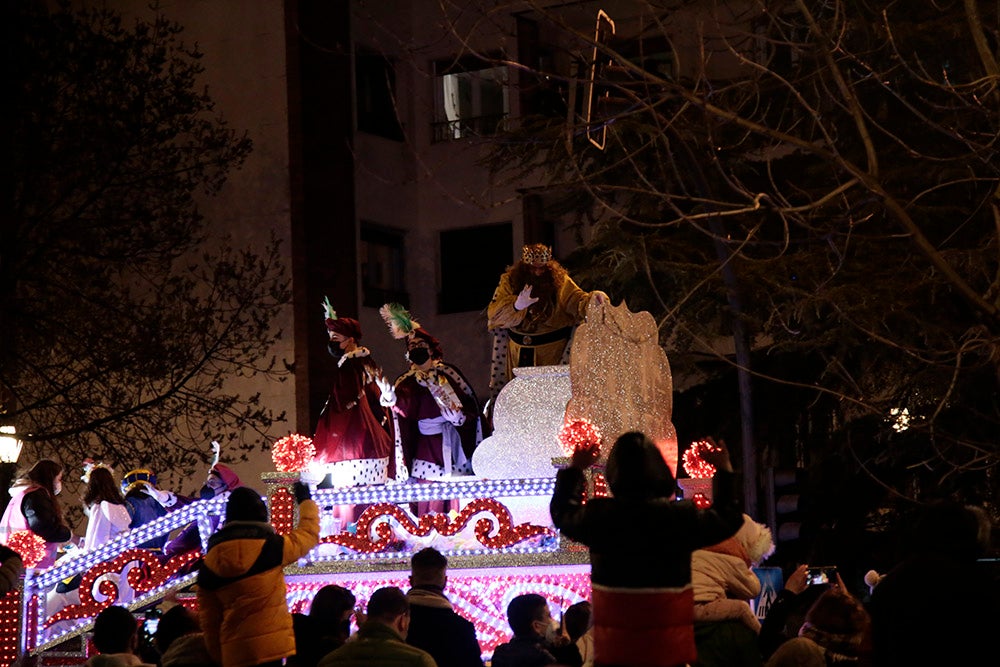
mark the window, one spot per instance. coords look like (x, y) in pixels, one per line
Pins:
(472, 261)
(382, 265)
(470, 98)
(375, 88)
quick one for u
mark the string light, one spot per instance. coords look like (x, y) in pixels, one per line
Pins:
(293, 453)
(148, 575)
(10, 617)
(282, 511)
(500, 521)
(579, 434)
(694, 464)
(601, 486)
(29, 546)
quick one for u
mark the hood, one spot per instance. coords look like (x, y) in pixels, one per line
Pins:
(636, 469)
(756, 540)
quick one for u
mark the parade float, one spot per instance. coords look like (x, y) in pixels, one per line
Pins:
(500, 541)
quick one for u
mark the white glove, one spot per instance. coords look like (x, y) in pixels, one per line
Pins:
(165, 498)
(524, 299)
(388, 397)
(456, 417)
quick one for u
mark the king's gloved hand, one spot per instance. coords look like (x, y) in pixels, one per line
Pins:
(524, 299)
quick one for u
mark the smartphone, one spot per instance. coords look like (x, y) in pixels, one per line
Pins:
(820, 574)
(149, 622)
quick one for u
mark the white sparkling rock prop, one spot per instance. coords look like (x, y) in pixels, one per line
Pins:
(621, 378)
(527, 417)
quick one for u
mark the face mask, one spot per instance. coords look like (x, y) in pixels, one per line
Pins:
(206, 492)
(418, 355)
(335, 350)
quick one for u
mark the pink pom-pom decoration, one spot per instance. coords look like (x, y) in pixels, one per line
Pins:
(696, 466)
(293, 453)
(29, 546)
(579, 434)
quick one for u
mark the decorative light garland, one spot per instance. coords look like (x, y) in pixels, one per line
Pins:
(694, 464)
(506, 533)
(149, 574)
(282, 504)
(29, 546)
(579, 434)
(601, 486)
(293, 453)
(10, 617)
(701, 501)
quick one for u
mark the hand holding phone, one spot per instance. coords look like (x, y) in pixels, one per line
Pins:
(820, 574)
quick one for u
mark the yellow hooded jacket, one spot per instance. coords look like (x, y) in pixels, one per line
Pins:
(241, 589)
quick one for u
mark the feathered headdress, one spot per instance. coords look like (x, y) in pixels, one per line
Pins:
(328, 310)
(216, 451)
(401, 324)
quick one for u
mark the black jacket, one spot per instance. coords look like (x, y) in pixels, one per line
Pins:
(437, 629)
(39, 511)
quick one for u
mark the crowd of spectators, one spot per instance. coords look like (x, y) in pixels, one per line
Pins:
(641, 612)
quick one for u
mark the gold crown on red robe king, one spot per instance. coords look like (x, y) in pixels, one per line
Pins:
(536, 253)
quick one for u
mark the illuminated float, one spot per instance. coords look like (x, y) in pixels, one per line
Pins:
(500, 543)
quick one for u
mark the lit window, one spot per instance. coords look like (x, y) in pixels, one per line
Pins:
(469, 99)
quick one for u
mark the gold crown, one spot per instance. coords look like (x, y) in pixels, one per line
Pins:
(536, 253)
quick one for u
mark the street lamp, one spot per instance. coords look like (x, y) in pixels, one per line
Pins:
(10, 446)
(10, 450)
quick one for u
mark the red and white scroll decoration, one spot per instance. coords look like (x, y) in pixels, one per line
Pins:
(501, 521)
(150, 573)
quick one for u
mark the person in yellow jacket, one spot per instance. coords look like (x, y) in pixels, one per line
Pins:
(241, 583)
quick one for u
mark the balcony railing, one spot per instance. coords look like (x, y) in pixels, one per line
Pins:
(463, 128)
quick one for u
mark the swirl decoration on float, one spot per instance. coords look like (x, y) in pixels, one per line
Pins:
(148, 575)
(501, 521)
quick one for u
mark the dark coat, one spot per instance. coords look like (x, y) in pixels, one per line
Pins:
(437, 629)
(522, 652)
(640, 544)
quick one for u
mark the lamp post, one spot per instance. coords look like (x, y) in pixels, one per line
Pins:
(10, 450)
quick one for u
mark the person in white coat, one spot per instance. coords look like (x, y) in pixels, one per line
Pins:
(104, 505)
(722, 575)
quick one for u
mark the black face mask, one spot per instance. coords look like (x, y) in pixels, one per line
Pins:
(335, 350)
(418, 355)
(206, 492)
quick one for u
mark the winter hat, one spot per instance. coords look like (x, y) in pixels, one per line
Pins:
(228, 477)
(752, 543)
(245, 504)
(345, 326)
